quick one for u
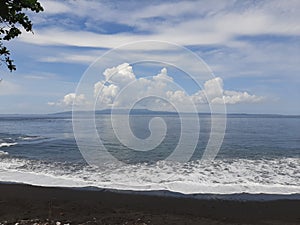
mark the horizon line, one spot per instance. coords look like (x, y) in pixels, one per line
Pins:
(149, 112)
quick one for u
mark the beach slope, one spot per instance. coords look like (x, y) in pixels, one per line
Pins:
(30, 203)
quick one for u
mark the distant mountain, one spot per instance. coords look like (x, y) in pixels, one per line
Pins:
(68, 114)
(119, 111)
(150, 112)
(134, 112)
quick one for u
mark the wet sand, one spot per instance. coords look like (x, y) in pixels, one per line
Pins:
(48, 205)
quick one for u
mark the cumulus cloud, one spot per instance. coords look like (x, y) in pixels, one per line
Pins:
(116, 80)
(120, 88)
(161, 85)
(234, 97)
(120, 75)
(108, 92)
(69, 100)
(217, 95)
(214, 93)
(163, 75)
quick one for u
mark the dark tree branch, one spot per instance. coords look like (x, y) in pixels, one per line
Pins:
(12, 18)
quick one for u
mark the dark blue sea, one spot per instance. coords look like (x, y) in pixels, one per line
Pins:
(259, 154)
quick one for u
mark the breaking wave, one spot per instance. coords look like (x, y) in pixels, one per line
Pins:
(226, 176)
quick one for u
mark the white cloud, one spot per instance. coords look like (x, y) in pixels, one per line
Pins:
(177, 96)
(52, 103)
(189, 23)
(214, 93)
(117, 78)
(214, 88)
(120, 75)
(256, 40)
(204, 22)
(54, 7)
(120, 88)
(70, 99)
(75, 58)
(234, 97)
(163, 75)
(161, 85)
(217, 95)
(108, 92)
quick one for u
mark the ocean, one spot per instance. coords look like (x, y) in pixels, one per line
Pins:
(259, 154)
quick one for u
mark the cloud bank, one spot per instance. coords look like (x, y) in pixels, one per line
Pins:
(122, 87)
(206, 22)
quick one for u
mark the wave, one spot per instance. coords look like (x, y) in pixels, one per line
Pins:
(7, 140)
(2, 153)
(29, 138)
(5, 144)
(276, 176)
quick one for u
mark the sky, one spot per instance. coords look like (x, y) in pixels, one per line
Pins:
(252, 49)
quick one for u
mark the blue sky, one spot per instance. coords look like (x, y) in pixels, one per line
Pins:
(252, 47)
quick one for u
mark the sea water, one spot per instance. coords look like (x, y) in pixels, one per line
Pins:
(259, 154)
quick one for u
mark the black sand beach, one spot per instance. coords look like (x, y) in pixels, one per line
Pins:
(28, 204)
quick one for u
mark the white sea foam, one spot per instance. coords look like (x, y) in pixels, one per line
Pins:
(276, 176)
(30, 138)
(4, 144)
(2, 153)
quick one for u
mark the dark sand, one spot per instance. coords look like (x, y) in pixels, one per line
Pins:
(24, 202)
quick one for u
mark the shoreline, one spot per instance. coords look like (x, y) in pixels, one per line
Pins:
(243, 196)
(104, 206)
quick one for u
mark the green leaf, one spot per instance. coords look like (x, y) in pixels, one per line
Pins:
(12, 17)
